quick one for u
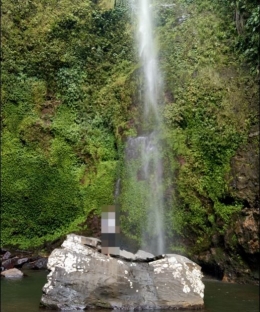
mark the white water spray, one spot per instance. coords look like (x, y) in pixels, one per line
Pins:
(147, 147)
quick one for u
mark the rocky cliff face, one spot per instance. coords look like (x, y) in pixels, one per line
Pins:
(81, 277)
(245, 172)
(234, 256)
(245, 187)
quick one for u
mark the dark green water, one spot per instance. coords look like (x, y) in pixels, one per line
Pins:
(23, 295)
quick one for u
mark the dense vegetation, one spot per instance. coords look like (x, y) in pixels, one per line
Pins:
(207, 116)
(65, 99)
(70, 81)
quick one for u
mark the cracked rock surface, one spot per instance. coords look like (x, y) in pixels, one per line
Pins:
(81, 277)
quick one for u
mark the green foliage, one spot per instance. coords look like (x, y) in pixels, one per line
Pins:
(206, 116)
(133, 200)
(225, 211)
(98, 186)
(64, 124)
(65, 68)
(99, 142)
(38, 198)
(70, 82)
(243, 16)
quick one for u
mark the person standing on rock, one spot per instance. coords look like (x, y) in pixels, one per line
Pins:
(110, 231)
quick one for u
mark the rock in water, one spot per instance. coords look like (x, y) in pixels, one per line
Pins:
(9, 263)
(6, 256)
(12, 273)
(82, 278)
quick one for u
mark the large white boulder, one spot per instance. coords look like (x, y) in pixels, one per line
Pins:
(81, 277)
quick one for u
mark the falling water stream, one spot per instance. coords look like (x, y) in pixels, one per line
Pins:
(151, 147)
(147, 54)
(147, 147)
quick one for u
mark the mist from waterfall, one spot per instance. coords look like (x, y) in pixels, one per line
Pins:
(147, 147)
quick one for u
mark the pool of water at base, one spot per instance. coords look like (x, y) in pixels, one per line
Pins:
(23, 295)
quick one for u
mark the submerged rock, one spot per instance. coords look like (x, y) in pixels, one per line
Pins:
(81, 277)
(12, 273)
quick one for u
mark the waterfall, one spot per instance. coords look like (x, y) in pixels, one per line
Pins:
(144, 153)
(151, 147)
(147, 54)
